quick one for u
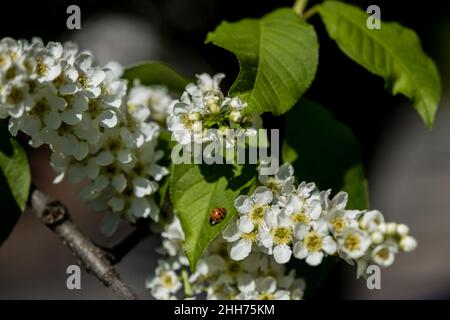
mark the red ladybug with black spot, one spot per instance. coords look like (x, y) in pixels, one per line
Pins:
(217, 215)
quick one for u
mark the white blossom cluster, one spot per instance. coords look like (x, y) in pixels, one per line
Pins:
(257, 277)
(154, 101)
(98, 131)
(60, 97)
(284, 220)
(203, 115)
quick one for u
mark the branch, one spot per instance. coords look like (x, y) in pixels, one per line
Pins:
(56, 217)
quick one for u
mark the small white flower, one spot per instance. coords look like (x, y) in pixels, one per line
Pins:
(371, 220)
(263, 288)
(143, 187)
(143, 208)
(302, 211)
(281, 182)
(277, 237)
(15, 98)
(206, 82)
(314, 244)
(338, 202)
(173, 237)
(166, 283)
(48, 62)
(89, 77)
(339, 220)
(184, 123)
(241, 238)
(354, 243)
(252, 209)
(384, 254)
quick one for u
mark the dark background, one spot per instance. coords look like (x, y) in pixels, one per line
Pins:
(407, 165)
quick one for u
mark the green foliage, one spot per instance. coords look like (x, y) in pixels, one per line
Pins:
(15, 179)
(288, 154)
(328, 152)
(197, 189)
(393, 52)
(278, 57)
(156, 73)
(355, 185)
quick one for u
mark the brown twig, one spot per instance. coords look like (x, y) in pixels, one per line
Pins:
(95, 260)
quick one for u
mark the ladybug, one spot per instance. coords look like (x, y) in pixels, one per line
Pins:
(217, 215)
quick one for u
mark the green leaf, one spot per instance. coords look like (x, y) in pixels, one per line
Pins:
(392, 52)
(277, 55)
(355, 184)
(288, 154)
(197, 189)
(156, 73)
(15, 180)
(328, 152)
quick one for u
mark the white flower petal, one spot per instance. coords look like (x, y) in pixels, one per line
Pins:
(245, 225)
(82, 152)
(71, 116)
(262, 195)
(284, 172)
(52, 119)
(314, 259)
(142, 187)
(69, 144)
(108, 119)
(100, 183)
(329, 245)
(246, 283)
(116, 204)
(243, 204)
(240, 249)
(231, 232)
(265, 238)
(282, 253)
(301, 230)
(124, 156)
(119, 182)
(266, 285)
(339, 200)
(104, 158)
(140, 207)
(158, 172)
(300, 251)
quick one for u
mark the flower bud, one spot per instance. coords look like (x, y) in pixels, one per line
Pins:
(235, 116)
(376, 237)
(402, 229)
(391, 228)
(408, 243)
